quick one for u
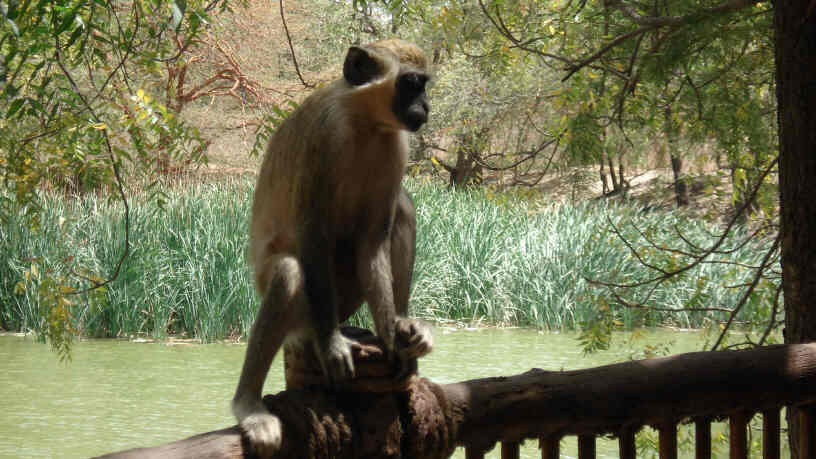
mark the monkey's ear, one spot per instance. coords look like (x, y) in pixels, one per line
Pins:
(359, 67)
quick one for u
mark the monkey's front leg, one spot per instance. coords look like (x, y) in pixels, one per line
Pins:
(414, 338)
(374, 271)
(281, 313)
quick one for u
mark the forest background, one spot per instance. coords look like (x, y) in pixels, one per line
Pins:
(561, 182)
(588, 165)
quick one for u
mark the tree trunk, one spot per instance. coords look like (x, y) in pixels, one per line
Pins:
(604, 182)
(680, 185)
(615, 185)
(795, 29)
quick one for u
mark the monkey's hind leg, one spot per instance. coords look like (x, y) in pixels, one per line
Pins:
(281, 313)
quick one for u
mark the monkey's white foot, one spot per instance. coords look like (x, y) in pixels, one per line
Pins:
(263, 429)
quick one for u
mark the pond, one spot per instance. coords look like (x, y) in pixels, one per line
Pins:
(118, 394)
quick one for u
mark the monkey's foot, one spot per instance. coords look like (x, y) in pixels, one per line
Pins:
(335, 357)
(263, 429)
(264, 432)
(414, 338)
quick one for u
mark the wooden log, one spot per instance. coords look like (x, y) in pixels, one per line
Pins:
(426, 420)
(597, 400)
(219, 444)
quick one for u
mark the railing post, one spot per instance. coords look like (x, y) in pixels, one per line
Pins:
(668, 440)
(738, 423)
(586, 446)
(770, 434)
(510, 450)
(473, 453)
(550, 447)
(806, 443)
(626, 443)
(702, 438)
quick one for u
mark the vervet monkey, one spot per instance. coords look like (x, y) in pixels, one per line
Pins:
(332, 225)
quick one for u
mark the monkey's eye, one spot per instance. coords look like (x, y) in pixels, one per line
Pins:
(412, 82)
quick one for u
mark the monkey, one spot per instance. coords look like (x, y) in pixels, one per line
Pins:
(332, 226)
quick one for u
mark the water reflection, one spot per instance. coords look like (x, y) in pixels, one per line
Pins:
(119, 394)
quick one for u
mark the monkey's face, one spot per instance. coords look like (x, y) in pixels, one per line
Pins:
(410, 102)
(393, 72)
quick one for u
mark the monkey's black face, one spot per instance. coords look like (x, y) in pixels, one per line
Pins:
(410, 103)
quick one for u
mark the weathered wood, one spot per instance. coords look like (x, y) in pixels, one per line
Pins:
(426, 420)
(667, 441)
(645, 392)
(219, 444)
(586, 446)
(626, 443)
(510, 450)
(807, 448)
(738, 436)
(770, 434)
(550, 447)
(702, 438)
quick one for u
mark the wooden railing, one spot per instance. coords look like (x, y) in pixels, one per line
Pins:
(773, 389)
(418, 419)
(738, 440)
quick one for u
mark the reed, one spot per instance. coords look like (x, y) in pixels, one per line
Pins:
(482, 258)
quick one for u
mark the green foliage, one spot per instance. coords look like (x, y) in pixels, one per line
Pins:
(186, 273)
(481, 258)
(270, 123)
(80, 98)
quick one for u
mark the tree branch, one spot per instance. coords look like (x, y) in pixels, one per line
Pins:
(292, 48)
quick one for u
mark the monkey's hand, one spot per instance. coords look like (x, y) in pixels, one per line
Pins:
(413, 340)
(334, 354)
(262, 428)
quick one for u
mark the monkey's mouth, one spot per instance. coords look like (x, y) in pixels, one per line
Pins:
(414, 119)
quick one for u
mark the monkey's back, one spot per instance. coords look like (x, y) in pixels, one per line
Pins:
(313, 158)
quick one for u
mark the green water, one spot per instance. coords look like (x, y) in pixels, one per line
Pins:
(120, 394)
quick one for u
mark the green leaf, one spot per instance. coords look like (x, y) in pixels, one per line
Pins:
(14, 28)
(14, 107)
(177, 8)
(66, 21)
(76, 34)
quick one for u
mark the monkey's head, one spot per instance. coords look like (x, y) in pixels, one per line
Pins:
(396, 70)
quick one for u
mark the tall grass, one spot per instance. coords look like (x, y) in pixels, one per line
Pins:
(487, 258)
(186, 272)
(480, 258)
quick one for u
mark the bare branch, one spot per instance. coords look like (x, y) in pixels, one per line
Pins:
(114, 164)
(292, 48)
(744, 299)
(663, 21)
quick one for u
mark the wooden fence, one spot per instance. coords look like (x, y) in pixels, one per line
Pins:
(738, 439)
(420, 419)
